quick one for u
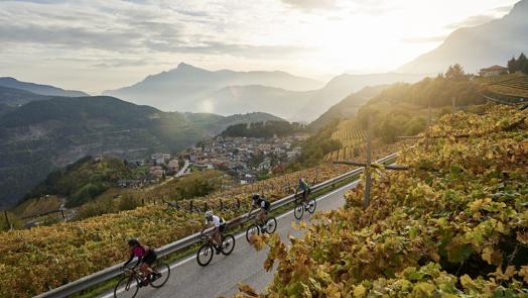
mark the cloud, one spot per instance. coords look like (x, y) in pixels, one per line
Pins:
(114, 27)
(41, 1)
(224, 48)
(80, 38)
(118, 63)
(373, 7)
(429, 39)
(311, 4)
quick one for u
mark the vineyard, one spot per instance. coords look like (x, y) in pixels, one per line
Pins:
(454, 225)
(512, 85)
(354, 142)
(351, 138)
(37, 260)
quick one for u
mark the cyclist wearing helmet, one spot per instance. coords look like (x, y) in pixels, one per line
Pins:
(219, 227)
(263, 204)
(305, 188)
(146, 257)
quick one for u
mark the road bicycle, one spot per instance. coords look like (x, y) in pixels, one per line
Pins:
(301, 204)
(129, 285)
(204, 256)
(256, 228)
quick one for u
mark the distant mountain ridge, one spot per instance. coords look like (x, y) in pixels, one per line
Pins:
(348, 107)
(188, 88)
(478, 47)
(44, 135)
(342, 86)
(38, 88)
(16, 97)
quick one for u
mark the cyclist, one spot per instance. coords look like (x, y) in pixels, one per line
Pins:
(263, 204)
(305, 188)
(146, 257)
(219, 227)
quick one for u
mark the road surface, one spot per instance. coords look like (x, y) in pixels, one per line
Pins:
(221, 276)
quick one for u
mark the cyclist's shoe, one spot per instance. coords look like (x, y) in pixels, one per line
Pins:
(218, 249)
(143, 283)
(154, 276)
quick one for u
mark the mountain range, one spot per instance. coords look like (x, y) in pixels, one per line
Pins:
(478, 47)
(224, 92)
(43, 135)
(38, 89)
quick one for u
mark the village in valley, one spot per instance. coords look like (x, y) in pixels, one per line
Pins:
(243, 158)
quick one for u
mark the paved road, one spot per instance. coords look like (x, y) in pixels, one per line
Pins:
(182, 171)
(221, 276)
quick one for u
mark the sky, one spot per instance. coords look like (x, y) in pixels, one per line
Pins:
(96, 45)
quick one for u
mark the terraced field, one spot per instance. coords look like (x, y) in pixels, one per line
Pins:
(503, 87)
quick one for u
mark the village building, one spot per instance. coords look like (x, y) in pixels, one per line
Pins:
(493, 71)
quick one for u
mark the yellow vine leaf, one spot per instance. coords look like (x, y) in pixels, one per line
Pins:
(333, 291)
(522, 237)
(506, 275)
(466, 281)
(524, 273)
(435, 256)
(360, 291)
(268, 264)
(247, 290)
(258, 242)
(487, 253)
(425, 287)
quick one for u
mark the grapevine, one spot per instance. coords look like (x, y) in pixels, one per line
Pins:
(454, 225)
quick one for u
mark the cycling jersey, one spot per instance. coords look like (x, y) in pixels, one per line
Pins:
(143, 255)
(138, 251)
(263, 204)
(304, 186)
(217, 221)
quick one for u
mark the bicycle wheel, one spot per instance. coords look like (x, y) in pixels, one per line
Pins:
(252, 230)
(298, 211)
(164, 270)
(271, 225)
(205, 254)
(312, 204)
(228, 244)
(126, 287)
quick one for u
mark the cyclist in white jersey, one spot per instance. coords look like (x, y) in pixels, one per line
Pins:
(219, 226)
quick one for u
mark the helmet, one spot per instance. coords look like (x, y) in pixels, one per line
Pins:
(255, 196)
(301, 179)
(209, 214)
(133, 242)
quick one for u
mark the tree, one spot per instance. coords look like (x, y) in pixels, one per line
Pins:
(455, 73)
(522, 63)
(512, 65)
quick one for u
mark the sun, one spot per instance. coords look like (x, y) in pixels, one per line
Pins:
(360, 43)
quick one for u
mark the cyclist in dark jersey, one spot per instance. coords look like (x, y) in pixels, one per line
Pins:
(263, 204)
(146, 257)
(305, 188)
